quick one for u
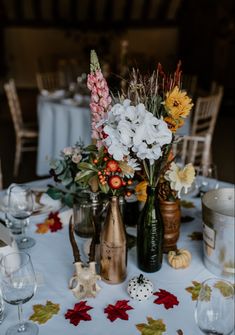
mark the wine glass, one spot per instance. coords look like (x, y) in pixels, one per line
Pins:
(207, 178)
(20, 207)
(214, 313)
(18, 285)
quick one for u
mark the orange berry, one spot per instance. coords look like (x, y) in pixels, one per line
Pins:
(99, 173)
(105, 159)
(129, 182)
(128, 194)
(95, 161)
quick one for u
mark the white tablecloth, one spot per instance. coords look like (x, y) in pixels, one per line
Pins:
(60, 126)
(52, 259)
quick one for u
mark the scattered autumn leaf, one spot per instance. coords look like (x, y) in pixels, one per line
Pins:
(43, 313)
(194, 290)
(44, 227)
(196, 236)
(118, 310)
(225, 289)
(186, 218)
(153, 327)
(78, 313)
(187, 204)
(51, 223)
(56, 224)
(166, 298)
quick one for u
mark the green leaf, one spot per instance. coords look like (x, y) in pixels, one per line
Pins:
(205, 294)
(82, 174)
(87, 166)
(225, 289)
(104, 188)
(59, 166)
(153, 327)
(194, 290)
(91, 148)
(43, 313)
(68, 199)
(54, 193)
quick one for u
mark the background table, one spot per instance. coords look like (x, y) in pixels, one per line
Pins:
(53, 262)
(60, 125)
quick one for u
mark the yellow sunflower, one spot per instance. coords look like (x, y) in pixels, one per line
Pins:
(177, 103)
(174, 124)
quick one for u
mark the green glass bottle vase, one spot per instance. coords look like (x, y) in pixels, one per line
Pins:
(150, 232)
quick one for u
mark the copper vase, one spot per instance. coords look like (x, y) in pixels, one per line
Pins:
(171, 216)
(113, 250)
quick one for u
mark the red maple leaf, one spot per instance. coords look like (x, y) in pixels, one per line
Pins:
(78, 313)
(166, 298)
(57, 224)
(118, 310)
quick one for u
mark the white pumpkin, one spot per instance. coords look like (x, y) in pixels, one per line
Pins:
(140, 288)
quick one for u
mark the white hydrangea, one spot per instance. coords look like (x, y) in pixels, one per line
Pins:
(133, 128)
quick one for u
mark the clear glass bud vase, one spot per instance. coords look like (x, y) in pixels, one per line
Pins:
(150, 234)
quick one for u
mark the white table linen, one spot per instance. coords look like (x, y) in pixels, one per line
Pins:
(60, 125)
(53, 262)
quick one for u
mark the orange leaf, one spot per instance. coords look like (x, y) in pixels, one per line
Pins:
(42, 228)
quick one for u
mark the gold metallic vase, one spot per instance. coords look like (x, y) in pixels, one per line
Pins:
(113, 245)
(171, 216)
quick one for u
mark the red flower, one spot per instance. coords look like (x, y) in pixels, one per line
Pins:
(115, 182)
(112, 166)
(118, 310)
(166, 298)
(78, 313)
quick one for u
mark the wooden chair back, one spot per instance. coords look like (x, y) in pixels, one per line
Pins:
(193, 149)
(49, 81)
(206, 113)
(14, 105)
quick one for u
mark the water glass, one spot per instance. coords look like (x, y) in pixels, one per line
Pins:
(214, 313)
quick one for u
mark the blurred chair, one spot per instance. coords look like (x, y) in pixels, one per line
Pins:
(205, 113)
(193, 149)
(25, 136)
(189, 84)
(50, 81)
(216, 88)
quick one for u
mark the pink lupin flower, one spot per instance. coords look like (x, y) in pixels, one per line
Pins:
(100, 97)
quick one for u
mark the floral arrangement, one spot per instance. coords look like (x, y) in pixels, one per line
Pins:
(140, 128)
(133, 137)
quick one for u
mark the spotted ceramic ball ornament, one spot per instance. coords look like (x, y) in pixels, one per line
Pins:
(140, 288)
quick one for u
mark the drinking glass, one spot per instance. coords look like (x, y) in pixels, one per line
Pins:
(18, 285)
(207, 178)
(20, 207)
(214, 313)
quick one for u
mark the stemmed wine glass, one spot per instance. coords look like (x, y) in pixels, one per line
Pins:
(18, 285)
(214, 313)
(20, 206)
(207, 178)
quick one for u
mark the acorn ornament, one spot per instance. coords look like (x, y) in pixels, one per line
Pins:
(140, 288)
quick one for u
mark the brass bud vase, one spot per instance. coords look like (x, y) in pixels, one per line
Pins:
(171, 216)
(113, 250)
